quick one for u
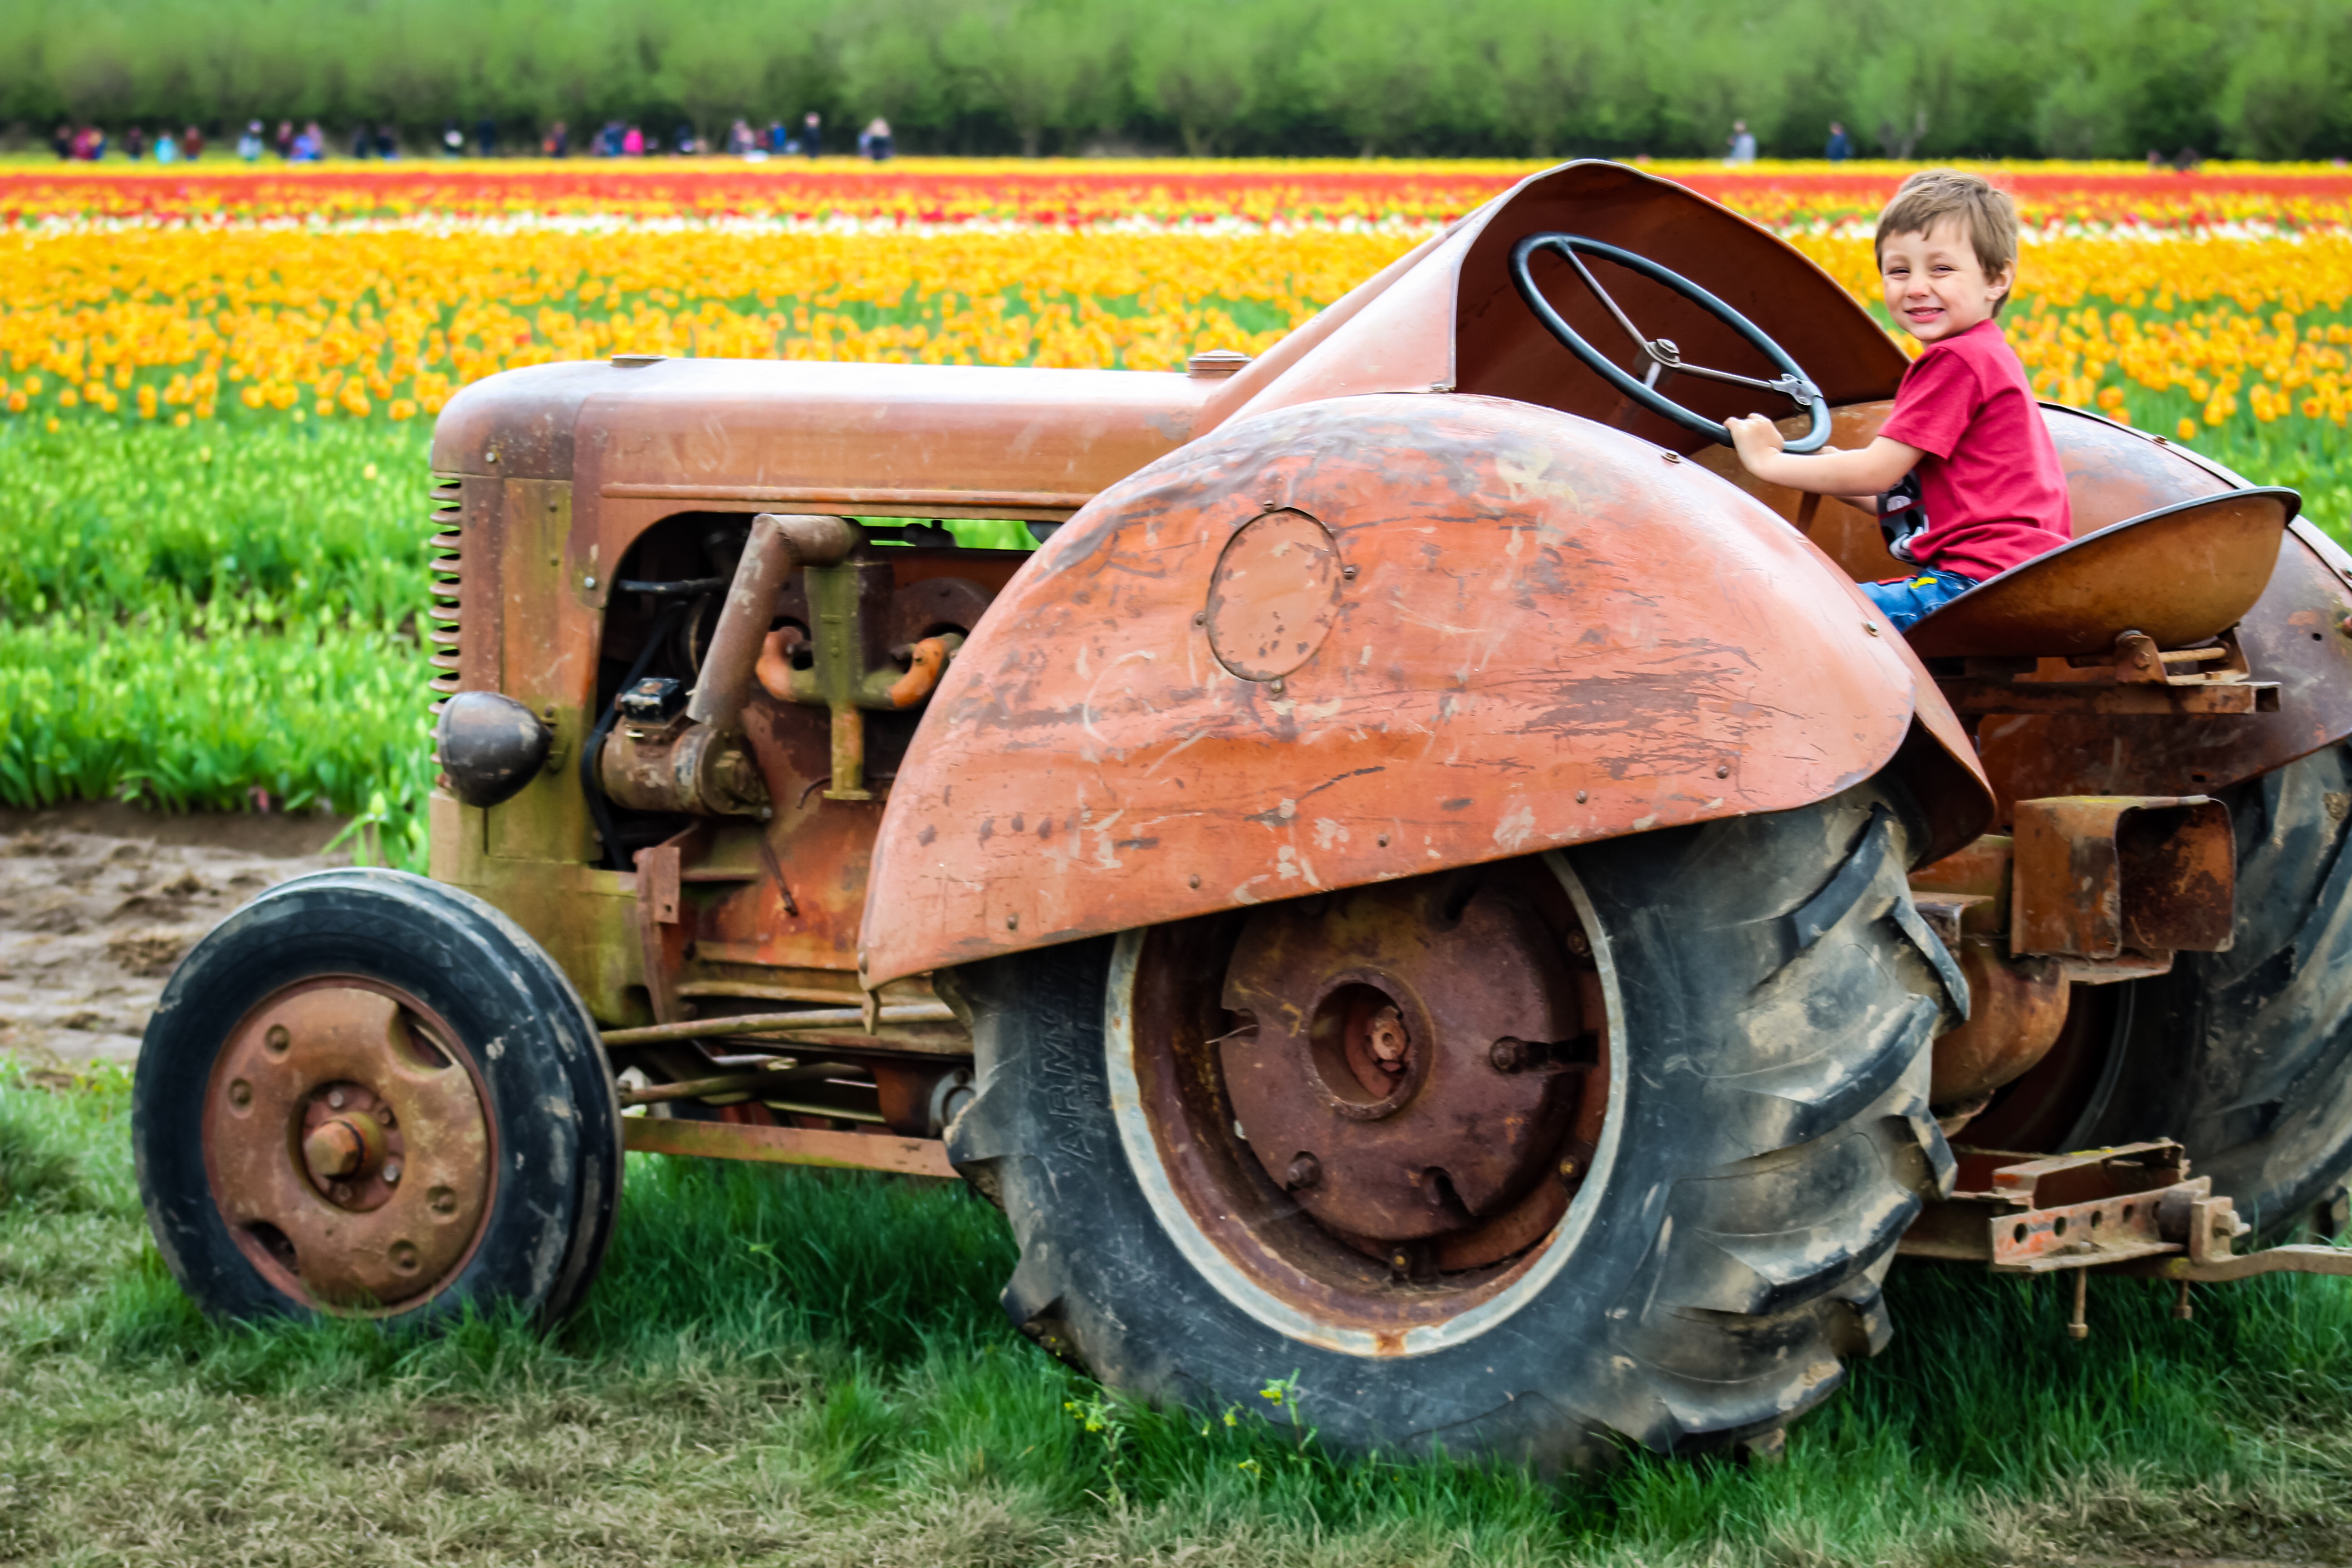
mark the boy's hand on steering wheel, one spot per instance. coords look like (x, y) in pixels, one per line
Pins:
(1753, 436)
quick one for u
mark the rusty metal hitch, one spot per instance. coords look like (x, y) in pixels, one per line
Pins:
(2133, 1210)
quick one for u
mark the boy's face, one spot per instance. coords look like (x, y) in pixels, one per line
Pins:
(1935, 285)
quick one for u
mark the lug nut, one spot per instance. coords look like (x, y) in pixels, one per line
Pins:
(240, 1094)
(1387, 1039)
(1570, 1168)
(1305, 1172)
(1507, 1054)
(335, 1099)
(391, 1172)
(333, 1148)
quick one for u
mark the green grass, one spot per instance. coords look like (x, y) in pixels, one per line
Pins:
(805, 1367)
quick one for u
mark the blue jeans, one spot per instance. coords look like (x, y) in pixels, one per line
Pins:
(1905, 601)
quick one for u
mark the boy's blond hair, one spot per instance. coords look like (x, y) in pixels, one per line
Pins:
(1933, 195)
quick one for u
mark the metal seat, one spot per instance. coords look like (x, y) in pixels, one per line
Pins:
(2182, 574)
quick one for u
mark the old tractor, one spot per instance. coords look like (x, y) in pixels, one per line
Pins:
(1425, 878)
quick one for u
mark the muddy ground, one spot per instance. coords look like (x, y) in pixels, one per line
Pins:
(98, 901)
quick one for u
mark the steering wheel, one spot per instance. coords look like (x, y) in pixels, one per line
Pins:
(1665, 359)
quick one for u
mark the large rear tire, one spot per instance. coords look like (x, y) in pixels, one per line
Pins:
(1763, 997)
(368, 1094)
(2245, 1057)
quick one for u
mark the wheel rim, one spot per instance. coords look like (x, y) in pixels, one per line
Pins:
(347, 1146)
(1370, 1115)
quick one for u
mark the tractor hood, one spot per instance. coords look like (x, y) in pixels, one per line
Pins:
(897, 440)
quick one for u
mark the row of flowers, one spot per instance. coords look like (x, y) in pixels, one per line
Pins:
(188, 326)
(2242, 201)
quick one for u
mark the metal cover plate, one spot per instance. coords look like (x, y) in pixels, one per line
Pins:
(1274, 594)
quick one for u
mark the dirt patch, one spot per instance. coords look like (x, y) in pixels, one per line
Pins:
(98, 901)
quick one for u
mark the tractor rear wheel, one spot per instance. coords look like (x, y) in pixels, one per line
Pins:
(2245, 1057)
(1520, 1160)
(368, 1094)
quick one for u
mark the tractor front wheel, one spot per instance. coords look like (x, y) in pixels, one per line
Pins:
(368, 1094)
(1519, 1160)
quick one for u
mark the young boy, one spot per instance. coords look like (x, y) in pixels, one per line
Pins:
(1964, 465)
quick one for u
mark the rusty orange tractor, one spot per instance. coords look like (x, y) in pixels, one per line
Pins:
(1427, 878)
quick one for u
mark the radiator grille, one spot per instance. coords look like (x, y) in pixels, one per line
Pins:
(446, 560)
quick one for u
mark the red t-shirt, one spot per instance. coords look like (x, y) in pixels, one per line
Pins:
(1990, 483)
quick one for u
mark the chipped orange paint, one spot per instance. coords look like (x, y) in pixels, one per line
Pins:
(1544, 632)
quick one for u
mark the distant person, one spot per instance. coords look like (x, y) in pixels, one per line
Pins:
(812, 133)
(685, 142)
(310, 144)
(167, 148)
(134, 142)
(558, 140)
(2155, 160)
(362, 140)
(250, 146)
(89, 144)
(284, 141)
(486, 137)
(1743, 143)
(1840, 149)
(192, 144)
(875, 142)
(387, 145)
(779, 141)
(633, 142)
(453, 140)
(61, 142)
(2187, 161)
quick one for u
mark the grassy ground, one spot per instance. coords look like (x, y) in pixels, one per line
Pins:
(793, 1367)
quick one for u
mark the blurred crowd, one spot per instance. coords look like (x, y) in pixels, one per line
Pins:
(309, 143)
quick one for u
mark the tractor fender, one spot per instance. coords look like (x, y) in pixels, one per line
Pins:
(1373, 636)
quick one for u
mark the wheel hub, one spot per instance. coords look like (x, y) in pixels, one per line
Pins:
(1401, 1065)
(347, 1144)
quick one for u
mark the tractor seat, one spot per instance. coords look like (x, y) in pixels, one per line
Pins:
(2180, 574)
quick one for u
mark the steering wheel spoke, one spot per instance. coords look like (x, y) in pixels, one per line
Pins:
(1664, 355)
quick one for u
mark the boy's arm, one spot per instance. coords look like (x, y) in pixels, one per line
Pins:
(1851, 475)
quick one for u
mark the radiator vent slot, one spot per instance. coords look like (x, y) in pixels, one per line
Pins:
(446, 560)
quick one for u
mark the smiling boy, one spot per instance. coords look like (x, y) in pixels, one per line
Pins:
(1963, 470)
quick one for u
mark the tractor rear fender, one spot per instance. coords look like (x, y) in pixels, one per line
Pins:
(1373, 637)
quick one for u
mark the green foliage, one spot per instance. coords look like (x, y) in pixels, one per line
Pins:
(2003, 78)
(189, 617)
(110, 517)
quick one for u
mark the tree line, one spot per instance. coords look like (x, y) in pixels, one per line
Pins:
(2263, 79)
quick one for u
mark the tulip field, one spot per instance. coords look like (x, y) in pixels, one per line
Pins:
(218, 386)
